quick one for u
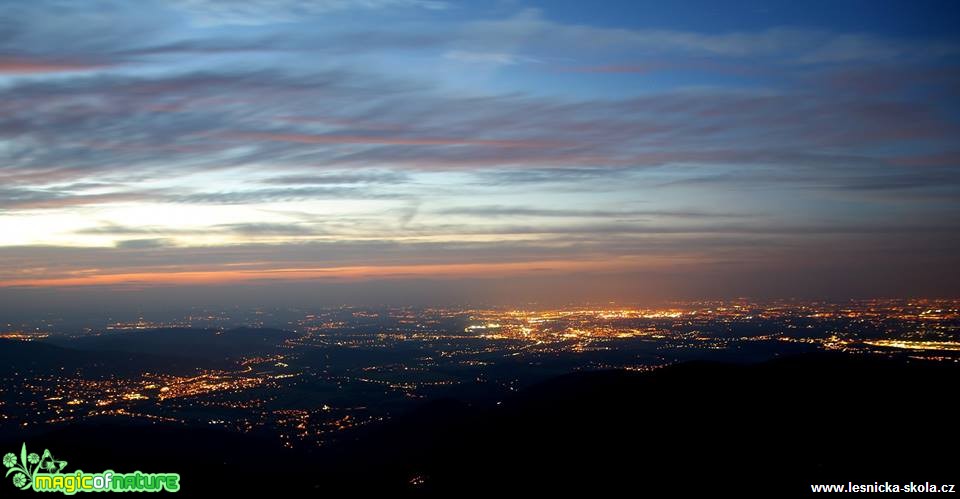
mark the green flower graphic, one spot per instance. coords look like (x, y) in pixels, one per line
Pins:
(26, 466)
(23, 467)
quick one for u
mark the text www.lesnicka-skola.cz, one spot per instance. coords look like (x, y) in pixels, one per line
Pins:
(848, 487)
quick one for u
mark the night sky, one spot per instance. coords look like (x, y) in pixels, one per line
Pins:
(423, 151)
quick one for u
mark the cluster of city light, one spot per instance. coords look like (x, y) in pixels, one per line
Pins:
(23, 336)
(952, 346)
(453, 346)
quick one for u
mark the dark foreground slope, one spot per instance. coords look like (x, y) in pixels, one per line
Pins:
(705, 427)
(757, 430)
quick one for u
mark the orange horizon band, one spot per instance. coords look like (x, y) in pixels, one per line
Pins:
(296, 274)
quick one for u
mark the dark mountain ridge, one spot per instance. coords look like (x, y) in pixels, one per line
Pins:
(699, 428)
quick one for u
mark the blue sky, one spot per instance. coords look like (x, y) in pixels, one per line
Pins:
(655, 149)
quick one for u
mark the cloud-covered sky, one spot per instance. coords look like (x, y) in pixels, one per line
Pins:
(653, 149)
